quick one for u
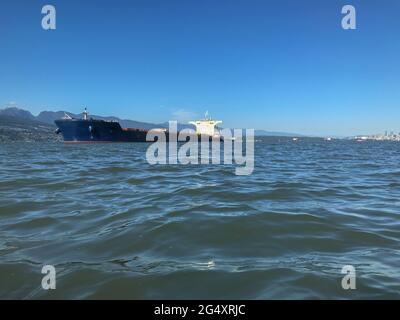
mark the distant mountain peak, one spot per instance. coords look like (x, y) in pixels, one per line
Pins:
(17, 112)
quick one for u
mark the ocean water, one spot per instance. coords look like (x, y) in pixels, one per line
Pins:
(114, 226)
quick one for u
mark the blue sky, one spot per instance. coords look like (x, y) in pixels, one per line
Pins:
(274, 65)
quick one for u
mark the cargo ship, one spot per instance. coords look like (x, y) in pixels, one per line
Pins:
(89, 130)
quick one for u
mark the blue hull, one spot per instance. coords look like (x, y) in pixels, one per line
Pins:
(88, 131)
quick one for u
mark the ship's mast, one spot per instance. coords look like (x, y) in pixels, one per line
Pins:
(85, 114)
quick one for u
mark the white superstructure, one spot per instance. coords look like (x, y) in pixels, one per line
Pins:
(85, 115)
(206, 126)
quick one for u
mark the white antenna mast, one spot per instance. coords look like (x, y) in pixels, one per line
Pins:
(85, 114)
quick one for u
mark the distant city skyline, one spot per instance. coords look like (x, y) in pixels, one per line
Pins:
(271, 65)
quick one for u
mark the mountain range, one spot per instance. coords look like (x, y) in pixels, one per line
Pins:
(48, 117)
(15, 119)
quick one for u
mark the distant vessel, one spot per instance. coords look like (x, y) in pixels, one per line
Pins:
(207, 126)
(361, 138)
(89, 130)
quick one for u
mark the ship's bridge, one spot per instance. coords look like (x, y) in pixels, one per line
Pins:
(206, 126)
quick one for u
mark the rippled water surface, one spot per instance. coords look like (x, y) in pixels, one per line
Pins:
(116, 227)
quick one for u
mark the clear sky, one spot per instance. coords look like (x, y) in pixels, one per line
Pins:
(276, 65)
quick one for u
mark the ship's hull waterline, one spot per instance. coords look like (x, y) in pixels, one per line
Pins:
(87, 131)
(97, 131)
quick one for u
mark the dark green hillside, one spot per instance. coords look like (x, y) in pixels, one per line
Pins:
(24, 129)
